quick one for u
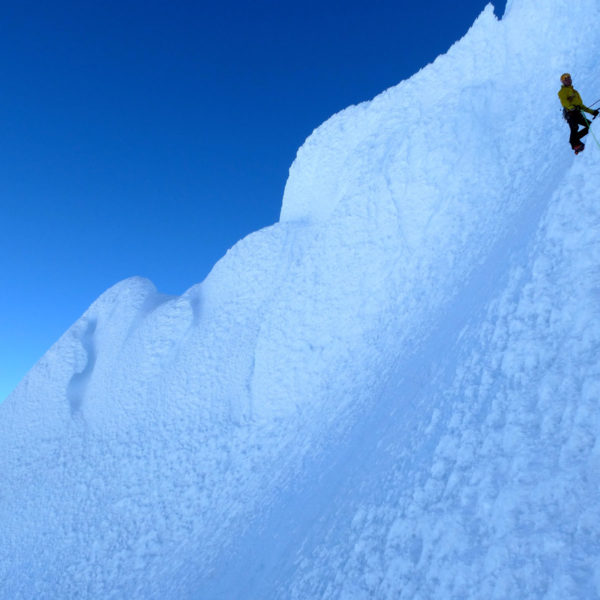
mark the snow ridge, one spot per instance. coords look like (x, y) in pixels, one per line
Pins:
(391, 393)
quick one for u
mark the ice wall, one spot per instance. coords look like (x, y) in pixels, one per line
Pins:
(312, 396)
(487, 484)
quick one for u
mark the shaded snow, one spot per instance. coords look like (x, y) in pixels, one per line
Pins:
(391, 393)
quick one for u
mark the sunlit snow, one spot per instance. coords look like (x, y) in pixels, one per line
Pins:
(392, 393)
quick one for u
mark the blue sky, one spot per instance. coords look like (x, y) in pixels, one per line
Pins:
(146, 138)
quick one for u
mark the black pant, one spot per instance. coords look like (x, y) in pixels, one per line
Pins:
(575, 118)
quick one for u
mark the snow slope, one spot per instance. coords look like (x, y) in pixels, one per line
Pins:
(391, 393)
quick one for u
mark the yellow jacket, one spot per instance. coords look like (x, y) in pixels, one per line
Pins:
(570, 99)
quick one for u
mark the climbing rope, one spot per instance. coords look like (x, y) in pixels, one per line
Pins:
(589, 126)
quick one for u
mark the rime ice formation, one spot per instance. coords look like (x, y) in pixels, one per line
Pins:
(391, 393)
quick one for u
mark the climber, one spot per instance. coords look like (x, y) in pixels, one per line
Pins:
(572, 111)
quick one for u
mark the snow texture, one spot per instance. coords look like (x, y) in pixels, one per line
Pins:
(392, 393)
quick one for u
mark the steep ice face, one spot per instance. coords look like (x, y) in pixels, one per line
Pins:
(488, 486)
(410, 192)
(163, 440)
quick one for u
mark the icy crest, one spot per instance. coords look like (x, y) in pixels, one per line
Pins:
(391, 393)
